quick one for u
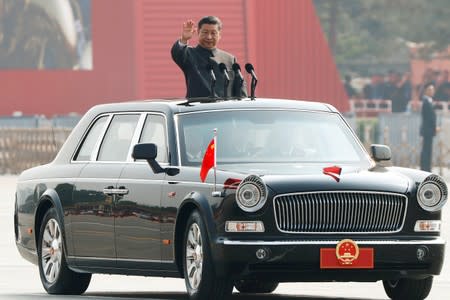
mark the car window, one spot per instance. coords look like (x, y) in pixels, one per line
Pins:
(264, 136)
(155, 132)
(117, 140)
(88, 145)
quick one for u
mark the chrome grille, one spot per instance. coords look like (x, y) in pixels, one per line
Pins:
(340, 212)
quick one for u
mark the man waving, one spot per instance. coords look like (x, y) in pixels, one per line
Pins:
(196, 62)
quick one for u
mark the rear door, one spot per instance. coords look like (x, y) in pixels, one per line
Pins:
(96, 189)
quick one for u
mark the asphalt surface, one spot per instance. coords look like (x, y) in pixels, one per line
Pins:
(20, 279)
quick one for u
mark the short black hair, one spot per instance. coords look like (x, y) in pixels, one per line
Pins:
(427, 85)
(210, 20)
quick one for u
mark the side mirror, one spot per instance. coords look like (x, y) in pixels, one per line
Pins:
(380, 152)
(149, 153)
(145, 151)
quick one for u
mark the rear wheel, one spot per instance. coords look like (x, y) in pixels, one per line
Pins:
(255, 286)
(56, 277)
(408, 289)
(201, 281)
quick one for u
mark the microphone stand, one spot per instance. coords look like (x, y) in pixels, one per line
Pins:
(249, 68)
(240, 78)
(213, 81)
(226, 79)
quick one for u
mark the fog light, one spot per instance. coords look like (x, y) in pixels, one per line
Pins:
(262, 253)
(422, 253)
(244, 226)
(427, 226)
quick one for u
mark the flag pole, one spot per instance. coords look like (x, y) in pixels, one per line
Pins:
(215, 158)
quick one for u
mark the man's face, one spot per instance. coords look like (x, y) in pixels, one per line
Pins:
(429, 91)
(208, 36)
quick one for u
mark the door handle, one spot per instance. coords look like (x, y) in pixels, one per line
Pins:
(109, 190)
(121, 191)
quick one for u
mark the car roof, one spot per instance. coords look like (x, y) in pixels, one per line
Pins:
(206, 104)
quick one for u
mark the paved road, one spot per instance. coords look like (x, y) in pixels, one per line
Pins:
(20, 279)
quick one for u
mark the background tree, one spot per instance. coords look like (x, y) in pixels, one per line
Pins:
(380, 31)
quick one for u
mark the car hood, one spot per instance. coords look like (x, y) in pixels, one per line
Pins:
(303, 178)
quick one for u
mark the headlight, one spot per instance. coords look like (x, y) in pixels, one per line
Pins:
(251, 193)
(432, 193)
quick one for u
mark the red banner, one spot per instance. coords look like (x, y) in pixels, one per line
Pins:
(208, 160)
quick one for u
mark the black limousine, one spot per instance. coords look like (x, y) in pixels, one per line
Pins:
(237, 193)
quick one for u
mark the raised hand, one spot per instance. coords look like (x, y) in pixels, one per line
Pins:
(188, 31)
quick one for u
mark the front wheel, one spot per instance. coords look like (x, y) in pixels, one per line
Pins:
(55, 275)
(201, 281)
(255, 286)
(408, 289)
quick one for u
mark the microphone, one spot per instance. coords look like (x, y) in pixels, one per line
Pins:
(249, 68)
(226, 82)
(223, 69)
(210, 67)
(237, 69)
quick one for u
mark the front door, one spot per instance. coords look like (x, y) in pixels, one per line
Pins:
(138, 210)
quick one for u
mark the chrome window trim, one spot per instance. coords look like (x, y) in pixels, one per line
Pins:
(136, 135)
(135, 139)
(262, 108)
(94, 154)
(100, 137)
(342, 232)
(349, 129)
(149, 114)
(137, 113)
(438, 241)
(177, 139)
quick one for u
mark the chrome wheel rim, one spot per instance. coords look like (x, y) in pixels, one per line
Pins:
(194, 256)
(51, 251)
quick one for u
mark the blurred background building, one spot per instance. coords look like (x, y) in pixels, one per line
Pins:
(368, 58)
(88, 52)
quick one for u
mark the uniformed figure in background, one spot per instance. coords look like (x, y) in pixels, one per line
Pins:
(428, 127)
(196, 61)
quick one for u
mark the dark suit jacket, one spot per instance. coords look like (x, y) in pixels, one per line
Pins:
(428, 127)
(193, 61)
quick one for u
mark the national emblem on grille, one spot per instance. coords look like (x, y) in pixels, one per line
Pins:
(347, 251)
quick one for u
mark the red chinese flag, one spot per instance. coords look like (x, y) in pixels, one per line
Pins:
(208, 160)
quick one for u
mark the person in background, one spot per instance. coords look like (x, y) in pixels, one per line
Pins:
(442, 90)
(195, 61)
(406, 91)
(351, 93)
(428, 127)
(374, 89)
(392, 91)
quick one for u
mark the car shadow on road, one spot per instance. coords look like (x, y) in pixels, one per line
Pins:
(184, 296)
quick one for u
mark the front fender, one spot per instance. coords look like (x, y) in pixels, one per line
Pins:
(192, 201)
(200, 202)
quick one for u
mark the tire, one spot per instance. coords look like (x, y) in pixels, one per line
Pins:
(55, 275)
(255, 286)
(199, 275)
(408, 289)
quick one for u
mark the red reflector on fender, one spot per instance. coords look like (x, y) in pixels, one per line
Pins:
(329, 260)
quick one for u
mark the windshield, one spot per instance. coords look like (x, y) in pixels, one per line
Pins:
(268, 136)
